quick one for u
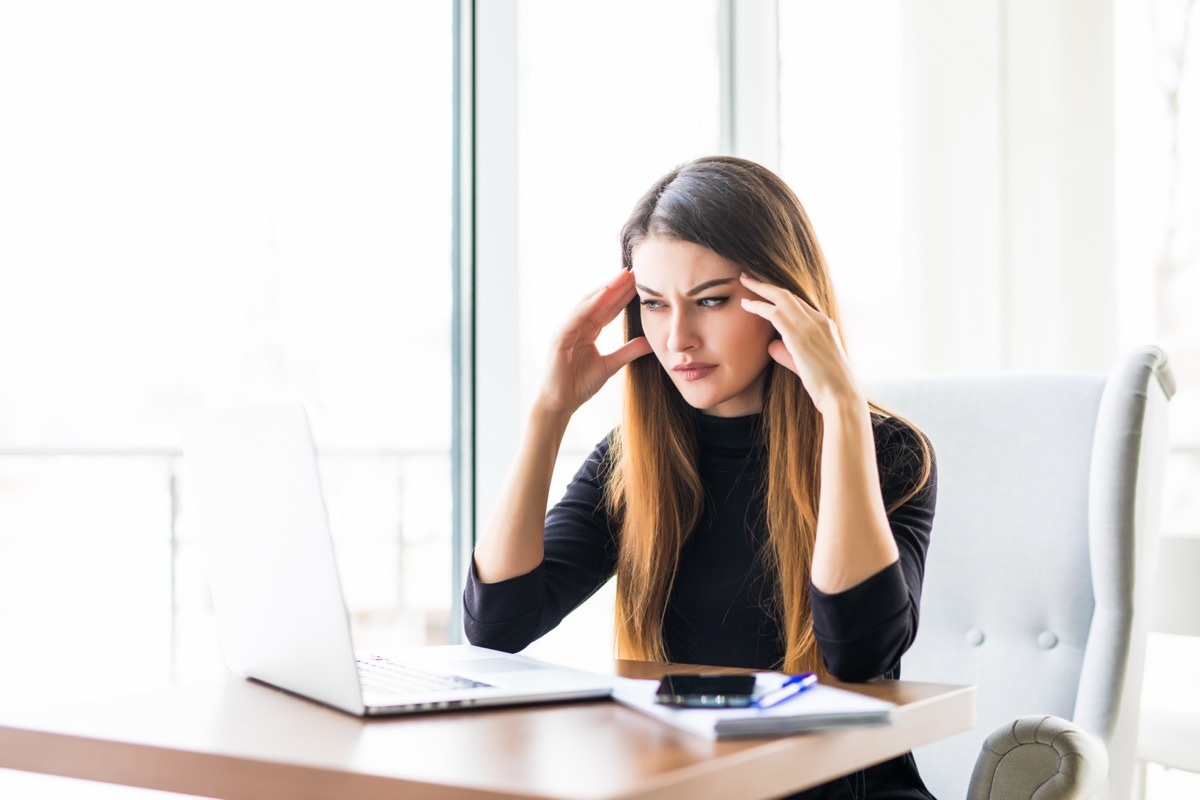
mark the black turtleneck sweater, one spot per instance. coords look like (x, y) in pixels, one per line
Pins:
(720, 608)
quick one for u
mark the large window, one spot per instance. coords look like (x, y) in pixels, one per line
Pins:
(210, 204)
(842, 151)
(1011, 186)
(611, 96)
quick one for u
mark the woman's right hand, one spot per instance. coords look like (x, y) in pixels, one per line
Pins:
(577, 369)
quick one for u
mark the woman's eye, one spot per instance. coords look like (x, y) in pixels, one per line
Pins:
(651, 305)
(713, 302)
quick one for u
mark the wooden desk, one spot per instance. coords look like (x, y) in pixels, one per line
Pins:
(239, 740)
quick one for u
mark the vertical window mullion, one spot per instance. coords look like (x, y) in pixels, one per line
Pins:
(495, 358)
(749, 48)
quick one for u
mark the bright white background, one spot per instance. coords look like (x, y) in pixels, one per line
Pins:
(207, 203)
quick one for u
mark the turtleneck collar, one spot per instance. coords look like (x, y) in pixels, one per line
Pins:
(728, 433)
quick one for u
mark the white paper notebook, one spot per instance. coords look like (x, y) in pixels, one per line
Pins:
(818, 708)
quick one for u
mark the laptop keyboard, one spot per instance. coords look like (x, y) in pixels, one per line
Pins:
(378, 674)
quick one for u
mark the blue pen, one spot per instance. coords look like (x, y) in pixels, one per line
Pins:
(790, 688)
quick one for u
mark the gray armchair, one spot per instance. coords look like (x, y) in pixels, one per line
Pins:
(1048, 500)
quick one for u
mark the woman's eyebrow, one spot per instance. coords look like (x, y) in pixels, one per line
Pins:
(708, 285)
(695, 290)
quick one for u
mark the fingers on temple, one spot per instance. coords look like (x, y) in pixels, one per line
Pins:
(776, 294)
(754, 283)
(611, 298)
(761, 308)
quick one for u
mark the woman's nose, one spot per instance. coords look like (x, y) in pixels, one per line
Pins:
(682, 335)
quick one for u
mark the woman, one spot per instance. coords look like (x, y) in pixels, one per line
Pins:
(755, 508)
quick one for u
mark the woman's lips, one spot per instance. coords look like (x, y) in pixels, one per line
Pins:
(693, 371)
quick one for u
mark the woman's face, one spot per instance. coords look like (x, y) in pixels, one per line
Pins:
(714, 351)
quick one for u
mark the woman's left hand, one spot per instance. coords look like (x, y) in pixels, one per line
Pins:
(809, 345)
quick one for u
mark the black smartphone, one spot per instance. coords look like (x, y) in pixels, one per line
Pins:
(706, 691)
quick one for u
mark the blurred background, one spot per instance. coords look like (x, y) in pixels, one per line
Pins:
(234, 202)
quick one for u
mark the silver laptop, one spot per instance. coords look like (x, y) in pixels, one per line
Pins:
(280, 611)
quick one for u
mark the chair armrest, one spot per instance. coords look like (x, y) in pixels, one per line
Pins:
(1040, 758)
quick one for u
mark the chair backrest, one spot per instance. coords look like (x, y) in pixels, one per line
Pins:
(1048, 493)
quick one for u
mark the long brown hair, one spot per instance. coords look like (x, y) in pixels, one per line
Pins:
(748, 215)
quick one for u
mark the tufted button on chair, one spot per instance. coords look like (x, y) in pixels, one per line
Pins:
(1048, 502)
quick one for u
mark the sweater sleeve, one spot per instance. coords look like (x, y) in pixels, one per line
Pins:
(864, 630)
(580, 556)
